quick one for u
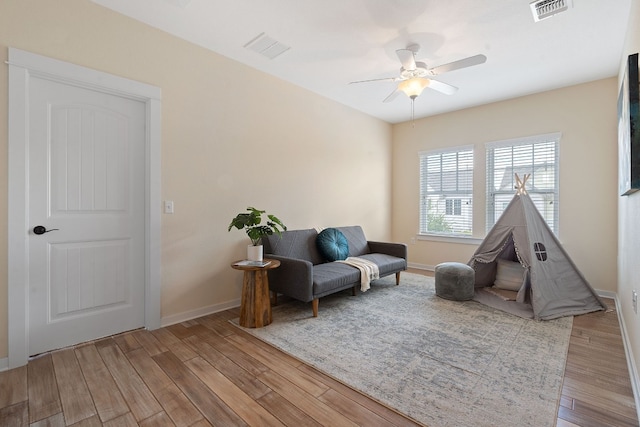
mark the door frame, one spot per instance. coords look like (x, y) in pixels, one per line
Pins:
(22, 66)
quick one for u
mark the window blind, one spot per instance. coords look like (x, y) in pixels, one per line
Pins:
(537, 156)
(446, 191)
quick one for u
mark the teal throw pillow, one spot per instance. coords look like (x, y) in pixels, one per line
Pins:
(332, 244)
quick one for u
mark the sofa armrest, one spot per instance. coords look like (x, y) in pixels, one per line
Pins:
(294, 278)
(394, 249)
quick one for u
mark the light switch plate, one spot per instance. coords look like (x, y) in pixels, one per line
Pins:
(168, 206)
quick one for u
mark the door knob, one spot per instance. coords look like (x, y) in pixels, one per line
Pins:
(39, 229)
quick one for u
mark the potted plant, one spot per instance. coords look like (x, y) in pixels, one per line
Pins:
(251, 222)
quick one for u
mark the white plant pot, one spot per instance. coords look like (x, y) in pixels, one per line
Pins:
(254, 253)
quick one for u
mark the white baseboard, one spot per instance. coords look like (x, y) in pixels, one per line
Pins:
(631, 364)
(421, 266)
(193, 314)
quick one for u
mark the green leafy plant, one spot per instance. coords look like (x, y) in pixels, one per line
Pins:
(436, 222)
(252, 224)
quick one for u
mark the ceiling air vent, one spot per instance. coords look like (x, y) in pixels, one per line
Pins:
(266, 46)
(543, 9)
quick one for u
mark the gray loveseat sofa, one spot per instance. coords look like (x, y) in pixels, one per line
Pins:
(304, 274)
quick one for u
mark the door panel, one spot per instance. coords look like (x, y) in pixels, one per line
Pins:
(86, 179)
(88, 277)
(89, 150)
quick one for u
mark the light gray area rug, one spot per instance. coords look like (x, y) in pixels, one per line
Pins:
(442, 363)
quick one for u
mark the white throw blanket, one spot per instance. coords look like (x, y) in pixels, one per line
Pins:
(368, 270)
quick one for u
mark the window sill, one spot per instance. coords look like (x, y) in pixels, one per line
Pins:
(449, 239)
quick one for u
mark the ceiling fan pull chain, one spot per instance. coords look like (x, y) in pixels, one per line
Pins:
(413, 122)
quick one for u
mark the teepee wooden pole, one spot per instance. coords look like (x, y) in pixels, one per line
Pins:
(520, 183)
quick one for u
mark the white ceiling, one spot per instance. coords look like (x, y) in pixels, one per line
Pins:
(334, 42)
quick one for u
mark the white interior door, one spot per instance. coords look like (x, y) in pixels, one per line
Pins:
(86, 160)
(84, 157)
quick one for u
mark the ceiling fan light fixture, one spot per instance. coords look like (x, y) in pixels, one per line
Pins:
(413, 87)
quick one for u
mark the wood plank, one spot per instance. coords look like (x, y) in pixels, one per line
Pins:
(566, 401)
(242, 404)
(316, 409)
(586, 415)
(74, 393)
(209, 404)
(175, 403)
(350, 409)
(126, 420)
(611, 402)
(176, 345)
(279, 362)
(160, 419)
(242, 378)
(563, 423)
(44, 400)
(612, 346)
(106, 395)
(239, 357)
(89, 422)
(56, 420)
(617, 383)
(149, 342)
(605, 366)
(240, 338)
(394, 417)
(603, 352)
(217, 324)
(13, 386)
(127, 342)
(285, 411)
(181, 331)
(15, 415)
(202, 423)
(135, 392)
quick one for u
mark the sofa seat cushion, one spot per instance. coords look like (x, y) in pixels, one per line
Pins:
(332, 276)
(387, 264)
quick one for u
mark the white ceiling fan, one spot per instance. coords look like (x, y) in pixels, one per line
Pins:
(415, 76)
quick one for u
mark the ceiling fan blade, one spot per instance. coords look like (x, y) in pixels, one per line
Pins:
(456, 65)
(407, 58)
(388, 79)
(392, 95)
(445, 88)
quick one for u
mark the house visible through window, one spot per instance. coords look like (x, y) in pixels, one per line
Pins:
(446, 191)
(537, 156)
(453, 207)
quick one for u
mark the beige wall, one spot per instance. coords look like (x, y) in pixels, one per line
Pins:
(585, 115)
(231, 137)
(629, 225)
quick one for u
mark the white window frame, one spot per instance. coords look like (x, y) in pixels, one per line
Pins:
(466, 211)
(535, 194)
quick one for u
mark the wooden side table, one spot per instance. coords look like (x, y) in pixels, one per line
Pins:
(255, 306)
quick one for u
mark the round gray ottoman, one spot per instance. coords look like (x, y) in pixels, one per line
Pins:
(455, 281)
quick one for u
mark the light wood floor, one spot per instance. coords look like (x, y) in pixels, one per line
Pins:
(596, 390)
(207, 372)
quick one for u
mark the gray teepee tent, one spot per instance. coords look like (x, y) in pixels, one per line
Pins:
(550, 281)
